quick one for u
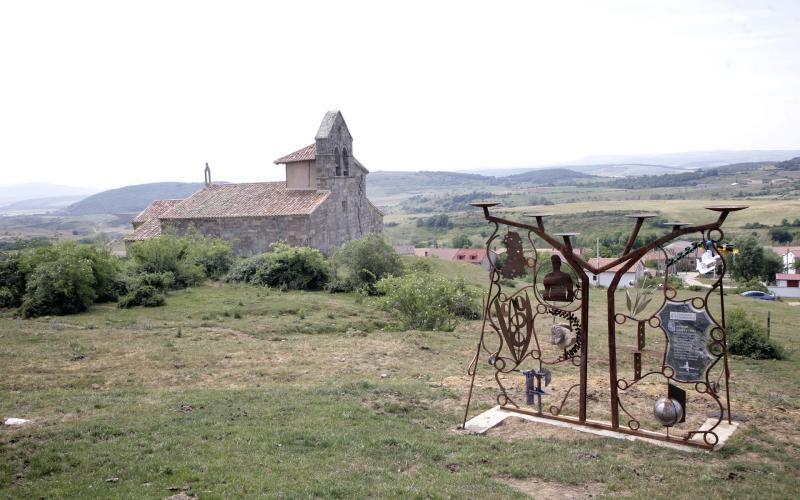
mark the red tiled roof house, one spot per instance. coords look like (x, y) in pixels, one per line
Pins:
(604, 279)
(321, 204)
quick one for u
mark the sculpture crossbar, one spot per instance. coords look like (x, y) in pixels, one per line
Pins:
(689, 351)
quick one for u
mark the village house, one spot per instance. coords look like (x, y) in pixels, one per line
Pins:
(321, 204)
(629, 278)
(789, 256)
(469, 255)
(786, 285)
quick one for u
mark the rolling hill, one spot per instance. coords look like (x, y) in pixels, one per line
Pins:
(37, 190)
(40, 205)
(131, 199)
(547, 176)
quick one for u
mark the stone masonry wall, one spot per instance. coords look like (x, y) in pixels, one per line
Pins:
(251, 235)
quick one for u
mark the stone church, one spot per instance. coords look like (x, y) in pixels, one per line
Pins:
(321, 204)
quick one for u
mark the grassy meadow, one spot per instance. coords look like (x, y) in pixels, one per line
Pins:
(606, 216)
(231, 391)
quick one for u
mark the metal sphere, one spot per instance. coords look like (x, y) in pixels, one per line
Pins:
(668, 411)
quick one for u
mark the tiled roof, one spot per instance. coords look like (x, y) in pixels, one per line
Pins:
(150, 229)
(470, 254)
(256, 199)
(154, 209)
(781, 276)
(441, 253)
(602, 261)
(149, 225)
(784, 250)
(308, 153)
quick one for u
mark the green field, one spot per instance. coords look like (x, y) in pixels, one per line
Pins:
(232, 391)
(592, 219)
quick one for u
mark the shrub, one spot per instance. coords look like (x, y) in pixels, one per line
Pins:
(12, 280)
(462, 241)
(293, 268)
(166, 254)
(427, 301)
(658, 282)
(420, 265)
(213, 255)
(286, 267)
(160, 281)
(145, 295)
(63, 286)
(105, 267)
(746, 338)
(752, 284)
(337, 285)
(367, 260)
(244, 270)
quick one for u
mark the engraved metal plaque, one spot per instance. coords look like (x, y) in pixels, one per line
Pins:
(687, 330)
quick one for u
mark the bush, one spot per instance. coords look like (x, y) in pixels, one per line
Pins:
(658, 282)
(339, 286)
(160, 281)
(12, 280)
(166, 254)
(105, 267)
(145, 295)
(752, 284)
(462, 241)
(63, 286)
(285, 267)
(367, 260)
(427, 301)
(420, 265)
(746, 338)
(213, 255)
(244, 270)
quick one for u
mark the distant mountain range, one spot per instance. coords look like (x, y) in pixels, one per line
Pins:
(39, 205)
(39, 190)
(42, 197)
(387, 184)
(669, 163)
(694, 159)
(131, 199)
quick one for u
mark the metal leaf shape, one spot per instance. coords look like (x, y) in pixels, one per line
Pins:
(515, 319)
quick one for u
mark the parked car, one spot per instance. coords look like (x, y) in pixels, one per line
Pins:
(756, 294)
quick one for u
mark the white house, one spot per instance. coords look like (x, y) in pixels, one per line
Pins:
(789, 256)
(786, 285)
(604, 279)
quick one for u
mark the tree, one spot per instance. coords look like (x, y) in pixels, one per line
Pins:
(462, 241)
(755, 262)
(367, 260)
(780, 235)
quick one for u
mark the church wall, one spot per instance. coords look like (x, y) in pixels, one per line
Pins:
(251, 235)
(346, 214)
(298, 175)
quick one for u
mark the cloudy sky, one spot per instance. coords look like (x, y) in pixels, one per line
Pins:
(106, 93)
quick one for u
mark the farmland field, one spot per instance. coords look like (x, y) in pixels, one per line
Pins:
(237, 390)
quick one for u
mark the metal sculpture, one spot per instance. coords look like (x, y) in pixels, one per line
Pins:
(694, 351)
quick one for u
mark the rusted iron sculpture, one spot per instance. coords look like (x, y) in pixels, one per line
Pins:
(695, 343)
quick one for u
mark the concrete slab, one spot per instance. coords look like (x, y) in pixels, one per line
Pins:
(493, 417)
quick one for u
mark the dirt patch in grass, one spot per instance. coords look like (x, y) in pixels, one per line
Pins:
(546, 490)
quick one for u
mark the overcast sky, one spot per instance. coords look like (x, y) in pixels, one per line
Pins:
(105, 94)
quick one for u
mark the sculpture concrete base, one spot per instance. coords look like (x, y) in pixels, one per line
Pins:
(493, 417)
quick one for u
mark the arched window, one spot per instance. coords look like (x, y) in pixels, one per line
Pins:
(346, 162)
(338, 162)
